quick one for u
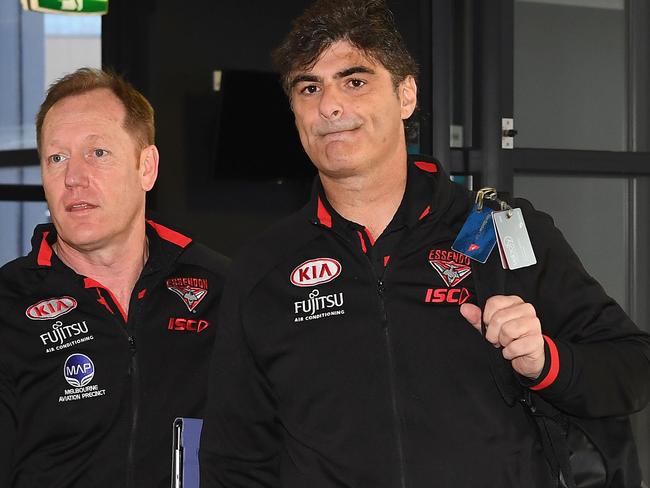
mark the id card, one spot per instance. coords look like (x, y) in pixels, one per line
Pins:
(512, 236)
(477, 237)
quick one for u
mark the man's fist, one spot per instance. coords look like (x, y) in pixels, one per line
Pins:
(511, 324)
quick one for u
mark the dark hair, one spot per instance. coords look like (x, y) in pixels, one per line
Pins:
(366, 24)
(139, 117)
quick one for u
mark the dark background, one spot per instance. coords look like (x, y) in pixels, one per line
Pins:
(169, 51)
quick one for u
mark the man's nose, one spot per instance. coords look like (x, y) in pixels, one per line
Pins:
(76, 171)
(331, 104)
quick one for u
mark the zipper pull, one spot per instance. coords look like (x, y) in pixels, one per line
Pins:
(382, 305)
(527, 401)
(132, 344)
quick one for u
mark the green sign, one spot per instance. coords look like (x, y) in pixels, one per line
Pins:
(96, 7)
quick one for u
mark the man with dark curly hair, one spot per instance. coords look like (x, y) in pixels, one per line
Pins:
(349, 350)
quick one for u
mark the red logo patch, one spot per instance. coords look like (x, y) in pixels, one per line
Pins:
(453, 267)
(447, 295)
(191, 290)
(51, 308)
(188, 325)
(315, 272)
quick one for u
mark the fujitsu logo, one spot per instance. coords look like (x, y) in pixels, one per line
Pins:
(317, 303)
(60, 333)
(315, 272)
(51, 308)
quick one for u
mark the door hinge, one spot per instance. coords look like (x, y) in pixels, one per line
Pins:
(508, 133)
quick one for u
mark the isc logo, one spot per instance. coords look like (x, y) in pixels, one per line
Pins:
(190, 325)
(315, 272)
(444, 295)
(51, 308)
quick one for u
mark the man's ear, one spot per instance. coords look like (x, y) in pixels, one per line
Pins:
(408, 96)
(148, 167)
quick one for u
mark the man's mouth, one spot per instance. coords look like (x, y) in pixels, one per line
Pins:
(79, 206)
(328, 128)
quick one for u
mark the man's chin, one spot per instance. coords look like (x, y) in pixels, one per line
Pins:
(84, 238)
(338, 169)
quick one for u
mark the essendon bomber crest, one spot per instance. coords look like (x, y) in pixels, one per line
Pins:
(453, 267)
(191, 290)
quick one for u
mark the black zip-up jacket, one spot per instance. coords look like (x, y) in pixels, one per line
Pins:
(87, 395)
(330, 373)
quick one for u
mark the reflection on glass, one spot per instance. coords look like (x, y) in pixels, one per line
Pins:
(36, 50)
(570, 74)
(18, 221)
(18, 137)
(70, 43)
(572, 207)
(460, 86)
(20, 175)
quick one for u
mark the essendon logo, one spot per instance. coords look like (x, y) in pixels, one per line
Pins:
(453, 267)
(191, 290)
(315, 272)
(51, 308)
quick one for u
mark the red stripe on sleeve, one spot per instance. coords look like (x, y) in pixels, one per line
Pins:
(425, 213)
(554, 371)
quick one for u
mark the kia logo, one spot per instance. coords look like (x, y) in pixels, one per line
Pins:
(51, 308)
(315, 272)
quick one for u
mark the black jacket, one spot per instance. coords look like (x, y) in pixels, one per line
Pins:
(328, 373)
(88, 397)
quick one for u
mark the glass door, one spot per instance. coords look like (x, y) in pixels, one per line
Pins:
(579, 68)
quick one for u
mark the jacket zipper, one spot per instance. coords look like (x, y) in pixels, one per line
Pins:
(391, 365)
(135, 391)
(393, 383)
(130, 466)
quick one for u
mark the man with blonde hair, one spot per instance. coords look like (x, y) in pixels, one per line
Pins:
(107, 324)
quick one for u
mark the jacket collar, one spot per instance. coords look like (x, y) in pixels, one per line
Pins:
(420, 201)
(165, 245)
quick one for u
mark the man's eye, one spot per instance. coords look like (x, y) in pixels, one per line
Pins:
(56, 158)
(309, 89)
(355, 83)
(100, 153)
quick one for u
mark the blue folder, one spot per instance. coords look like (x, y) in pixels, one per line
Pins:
(185, 452)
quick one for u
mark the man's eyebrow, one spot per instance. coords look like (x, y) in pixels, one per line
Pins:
(306, 78)
(341, 74)
(353, 70)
